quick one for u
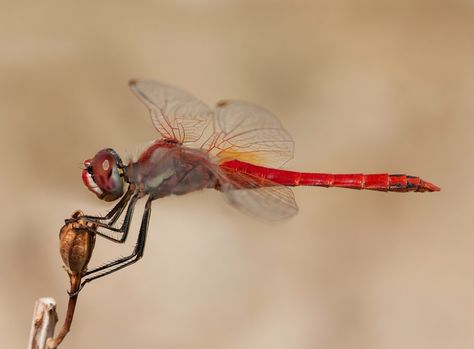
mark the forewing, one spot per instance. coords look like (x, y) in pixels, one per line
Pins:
(249, 133)
(258, 197)
(176, 114)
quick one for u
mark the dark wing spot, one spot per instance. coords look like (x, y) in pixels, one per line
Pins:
(221, 104)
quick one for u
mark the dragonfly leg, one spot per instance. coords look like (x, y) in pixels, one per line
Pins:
(117, 210)
(114, 213)
(123, 261)
(124, 229)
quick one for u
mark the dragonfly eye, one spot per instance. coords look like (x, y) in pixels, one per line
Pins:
(103, 175)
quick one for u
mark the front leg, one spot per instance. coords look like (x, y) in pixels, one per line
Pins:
(117, 210)
(114, 213)
(123, 261)
(124, 229)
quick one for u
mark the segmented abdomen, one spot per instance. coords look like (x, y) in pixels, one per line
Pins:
(380, 182)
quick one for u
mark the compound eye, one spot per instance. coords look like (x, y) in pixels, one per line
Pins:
(102, 166)
(106, 165)
(105, 171)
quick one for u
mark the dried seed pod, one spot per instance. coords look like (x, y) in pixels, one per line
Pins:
(76, 243)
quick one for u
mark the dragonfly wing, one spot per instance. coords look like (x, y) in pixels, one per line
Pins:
(176, 114)
(249, 133)
(258, 197)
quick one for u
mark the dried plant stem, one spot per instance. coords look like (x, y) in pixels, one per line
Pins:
(53, 343)
(43, 323)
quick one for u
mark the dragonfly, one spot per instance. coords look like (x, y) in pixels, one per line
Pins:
(237, 148)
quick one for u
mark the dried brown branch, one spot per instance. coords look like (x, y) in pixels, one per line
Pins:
(53, 343)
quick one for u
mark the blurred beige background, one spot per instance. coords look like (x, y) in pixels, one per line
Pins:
(368, 86)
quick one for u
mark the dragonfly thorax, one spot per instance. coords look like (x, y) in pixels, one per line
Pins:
(171, 169)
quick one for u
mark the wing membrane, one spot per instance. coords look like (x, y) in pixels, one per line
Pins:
(250, 133)
(258, 197)
(176, 114)
(234, 130)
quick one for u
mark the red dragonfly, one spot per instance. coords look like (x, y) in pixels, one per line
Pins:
(236, 148)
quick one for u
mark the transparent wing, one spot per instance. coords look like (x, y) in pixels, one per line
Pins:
(234, 130)
(258, 197)
(249, 133)
(176, 114)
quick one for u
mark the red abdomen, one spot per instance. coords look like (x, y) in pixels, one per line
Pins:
(380, 182)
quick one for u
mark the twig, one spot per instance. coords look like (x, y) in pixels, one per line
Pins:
(43, 323)
(53, 343)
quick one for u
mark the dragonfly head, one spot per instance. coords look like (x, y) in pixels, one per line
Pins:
(103, 175)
